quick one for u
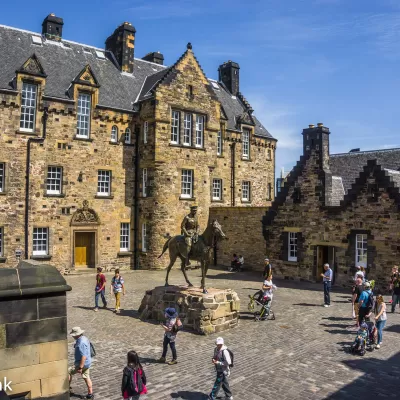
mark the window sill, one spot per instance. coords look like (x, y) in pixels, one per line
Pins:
(246, 159)
(124, 253)
(144, 252)
(217, 201)
(38, 257)
(3, 259)
(290, 262)
(187, 198)
(113, 143)
(28, 133)
(185, 146)
(82, 139)
(3, 193)
(129, 144)
(104, 197)
(220, 156)
(246, 201)
(61, 195)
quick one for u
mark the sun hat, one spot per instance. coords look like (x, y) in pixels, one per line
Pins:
(171, 312)
(367, 284)
(266, 259)
(219, 340)
(76, 331)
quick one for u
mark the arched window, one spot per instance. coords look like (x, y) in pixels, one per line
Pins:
(127, 136)
(114, 134)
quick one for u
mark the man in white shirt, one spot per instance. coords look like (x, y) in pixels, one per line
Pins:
(327, 279)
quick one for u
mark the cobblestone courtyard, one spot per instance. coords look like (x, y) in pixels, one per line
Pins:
(298, 356)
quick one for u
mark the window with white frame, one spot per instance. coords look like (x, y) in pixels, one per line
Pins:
(292, 246)
(2, 177)
(144, 236)
(219, 143)
(54, 180)
(127, 137)
(83, 123)
(361, 250)
(144, 182)
(145, 131)
(187, 183)
(1, 241)
(40, 241)
(114, 134)
(175, 127)
(28, 107)
(245, 144)
(217, 189)
(187, 129)
(103, 183)
(245, 191)
(124, 237)
(199, 130)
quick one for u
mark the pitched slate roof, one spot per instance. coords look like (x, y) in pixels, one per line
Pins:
(63, 61)
(349, 165)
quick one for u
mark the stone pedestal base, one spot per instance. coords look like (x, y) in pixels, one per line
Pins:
(209, 313)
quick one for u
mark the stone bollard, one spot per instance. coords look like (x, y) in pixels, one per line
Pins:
(33, 331)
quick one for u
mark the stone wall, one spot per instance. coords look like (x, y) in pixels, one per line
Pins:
(33, 331)
(243, 227)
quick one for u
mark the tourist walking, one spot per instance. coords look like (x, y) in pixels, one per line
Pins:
(117, 286)
(171, 327)
(395, 270)
(100, 289)
(365, 303)
(267, 274)
(222, 362)
(83, 360)
(396, 290)
(358, 289)
(380, 318)
(327, 280)
(133, 378)
(359, 273)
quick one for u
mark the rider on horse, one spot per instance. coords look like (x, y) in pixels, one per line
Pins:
(190, 230)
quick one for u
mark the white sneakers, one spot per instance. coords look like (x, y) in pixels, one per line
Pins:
(326, 305)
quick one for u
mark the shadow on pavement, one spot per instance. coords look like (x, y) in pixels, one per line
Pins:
(393, 328)
(184, 395)
(307, 305)
(335, 325)
(380, 380)
(340, 331)
(337, 319)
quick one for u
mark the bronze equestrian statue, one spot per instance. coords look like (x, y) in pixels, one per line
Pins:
(200, 251)
(190, 230)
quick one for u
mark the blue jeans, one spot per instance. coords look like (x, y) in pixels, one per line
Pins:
(395, 300)
(167, 341)
(380, 325)
(327, 289)
(103, 298)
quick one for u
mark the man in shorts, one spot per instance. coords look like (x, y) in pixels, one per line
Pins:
(83, 359)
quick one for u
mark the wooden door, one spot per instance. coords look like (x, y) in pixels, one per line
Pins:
(84, 249)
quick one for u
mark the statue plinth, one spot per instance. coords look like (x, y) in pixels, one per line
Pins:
(214, 312)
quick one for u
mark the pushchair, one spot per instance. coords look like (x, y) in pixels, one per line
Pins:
(368, 343)
(260, 306)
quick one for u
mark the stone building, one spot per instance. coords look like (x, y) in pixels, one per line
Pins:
(102, 153)
(337, 208)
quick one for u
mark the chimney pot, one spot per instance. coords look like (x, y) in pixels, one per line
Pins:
(155, 57)
(311, 126)
(320, 124)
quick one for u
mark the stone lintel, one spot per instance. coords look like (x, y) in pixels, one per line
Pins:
(292, 229)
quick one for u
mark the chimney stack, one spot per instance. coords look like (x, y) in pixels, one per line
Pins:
(52, 27)
(122, 44)
(229, 76)
(155, 57)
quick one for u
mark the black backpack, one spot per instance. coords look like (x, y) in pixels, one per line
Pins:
(135, 387)
(370, 301)
(92, 350)
(231, 355)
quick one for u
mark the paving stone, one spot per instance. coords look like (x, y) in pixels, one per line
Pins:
(298, 356)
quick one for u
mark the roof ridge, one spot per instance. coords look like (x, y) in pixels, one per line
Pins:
(364, 151)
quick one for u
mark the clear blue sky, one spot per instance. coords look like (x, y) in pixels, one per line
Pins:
(302, 61)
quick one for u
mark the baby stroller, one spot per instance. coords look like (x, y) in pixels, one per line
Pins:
(361, 345)
(260, 306)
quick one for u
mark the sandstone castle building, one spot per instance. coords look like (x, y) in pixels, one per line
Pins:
(341, 209)
(102, 153)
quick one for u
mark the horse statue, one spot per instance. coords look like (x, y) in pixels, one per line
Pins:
(200, 251)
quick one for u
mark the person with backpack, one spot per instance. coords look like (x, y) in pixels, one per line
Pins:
(100, 289)
(365, 303)
(223, 361)
(133, 378)
(171, 327)
(83, 359)
(117, 286)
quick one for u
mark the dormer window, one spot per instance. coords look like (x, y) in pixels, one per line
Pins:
(83, 123)
(28, 107)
